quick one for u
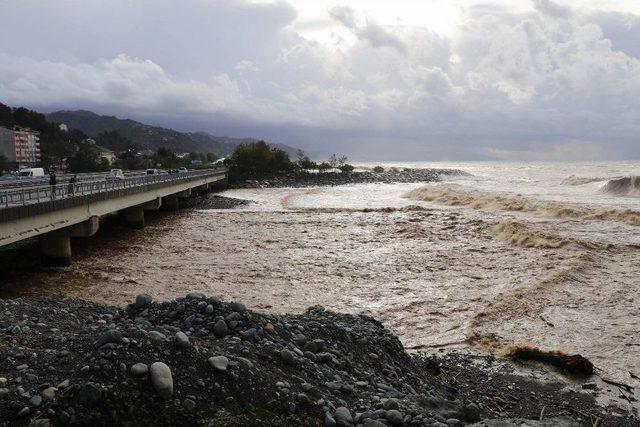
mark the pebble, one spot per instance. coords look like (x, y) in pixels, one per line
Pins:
(288, 357)
(157, 335)
(24, 411)
(394, 417)
(89, 394)
(3, 392)
(209, 309)
(63, 384)
(329, 421)
(110, 336)
(373, 423)
(269, 328)
(181, 339)
(49, 393)
(343, 416)
(219, 363)
(139, 369)
(161, 379)
(390, 404)
(143, 300)
(220, 328)
(238, 306)
(188, 404)
(35, 401)
(300, 340)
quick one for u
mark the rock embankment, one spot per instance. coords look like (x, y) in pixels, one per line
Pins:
(201, 361)
(389, 176)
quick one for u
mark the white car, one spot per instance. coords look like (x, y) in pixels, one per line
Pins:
(115, 174)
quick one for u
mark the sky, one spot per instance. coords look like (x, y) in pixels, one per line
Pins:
(373, 79)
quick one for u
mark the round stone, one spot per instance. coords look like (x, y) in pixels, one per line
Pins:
(219, 363)
(162, 380)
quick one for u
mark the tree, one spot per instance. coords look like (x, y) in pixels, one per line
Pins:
(4, 163)
(258, 161)
(6, 116)
(86, 159)
(305, 162)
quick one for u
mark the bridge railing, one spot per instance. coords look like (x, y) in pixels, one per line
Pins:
(44, 193)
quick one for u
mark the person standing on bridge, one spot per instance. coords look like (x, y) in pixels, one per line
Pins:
(53, 180)
(72, 185)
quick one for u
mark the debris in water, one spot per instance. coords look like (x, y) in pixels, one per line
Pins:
(574, 364)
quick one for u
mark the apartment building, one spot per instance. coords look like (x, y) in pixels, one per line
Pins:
(20, 145)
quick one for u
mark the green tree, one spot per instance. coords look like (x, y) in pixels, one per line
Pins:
(258, 161)
(86, 159)
(4, 163)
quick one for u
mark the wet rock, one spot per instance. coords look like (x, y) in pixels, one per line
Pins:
(161, 379)
(3, 392)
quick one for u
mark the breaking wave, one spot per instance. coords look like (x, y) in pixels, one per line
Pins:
(518, 234)
(580, 180)
(456, 196)
(628, 186)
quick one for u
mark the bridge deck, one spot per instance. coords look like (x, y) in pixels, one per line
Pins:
(23, 202)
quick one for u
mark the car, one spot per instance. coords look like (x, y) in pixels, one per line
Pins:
(183, 170)
(153, 172)
(31, 172)
(115, 174)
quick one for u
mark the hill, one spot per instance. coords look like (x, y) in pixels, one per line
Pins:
(151, 137)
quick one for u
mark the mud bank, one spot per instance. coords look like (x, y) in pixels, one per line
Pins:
(200, 361)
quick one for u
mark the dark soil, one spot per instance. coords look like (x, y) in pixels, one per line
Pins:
(70, 362)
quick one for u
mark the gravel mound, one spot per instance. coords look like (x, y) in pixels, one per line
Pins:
(200, 361)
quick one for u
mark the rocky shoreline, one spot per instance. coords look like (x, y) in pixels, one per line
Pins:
(310, 179)
(200, 361)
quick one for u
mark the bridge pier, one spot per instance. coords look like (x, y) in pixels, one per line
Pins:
(134, 217)
(170, 203)
(55, 251)
(55, 247)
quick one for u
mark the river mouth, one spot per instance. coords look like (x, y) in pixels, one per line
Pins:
(434, 274)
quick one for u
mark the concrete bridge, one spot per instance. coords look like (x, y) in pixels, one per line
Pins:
(57, 213)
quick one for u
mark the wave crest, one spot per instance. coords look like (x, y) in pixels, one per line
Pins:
(580, 180)
(628, 186)
(456, 196)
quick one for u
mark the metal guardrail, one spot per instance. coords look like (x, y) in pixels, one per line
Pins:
(47, 193)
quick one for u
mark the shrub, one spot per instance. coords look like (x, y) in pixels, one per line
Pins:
(346, 168)
(378, 169)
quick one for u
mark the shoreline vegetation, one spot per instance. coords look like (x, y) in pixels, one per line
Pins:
(198, 360)
(258, 165)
